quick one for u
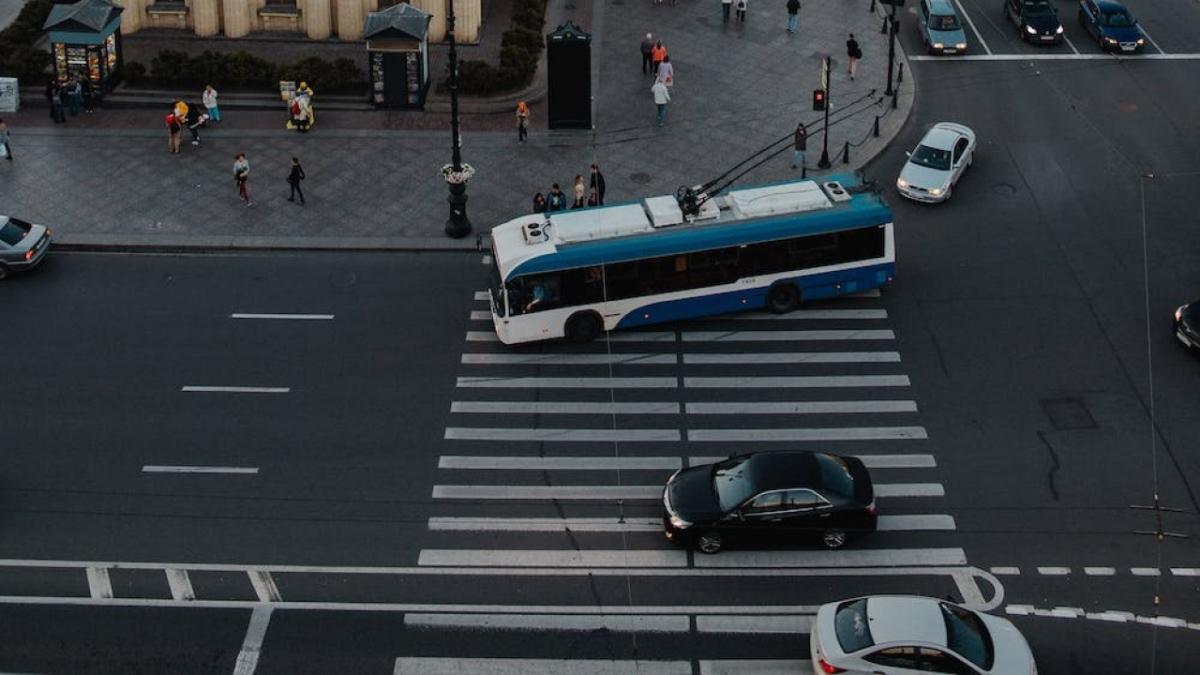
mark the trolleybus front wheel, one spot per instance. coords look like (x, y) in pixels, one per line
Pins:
(582, 327)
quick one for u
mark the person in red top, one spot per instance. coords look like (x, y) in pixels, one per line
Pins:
(174, 126)
(657, 55)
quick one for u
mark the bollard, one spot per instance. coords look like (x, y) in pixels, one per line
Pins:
(884, 27)
(875, 131)
(846, 153)
(900, 76)
(894, 95)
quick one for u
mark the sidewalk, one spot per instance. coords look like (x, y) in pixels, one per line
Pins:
(374, 179)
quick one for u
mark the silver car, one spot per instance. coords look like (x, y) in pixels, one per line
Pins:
(908, 634)
(22, 245)
(938, 162)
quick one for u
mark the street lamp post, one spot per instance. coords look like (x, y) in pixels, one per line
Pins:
(891, 47)
(457, 225)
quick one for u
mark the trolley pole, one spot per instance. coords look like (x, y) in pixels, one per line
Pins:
(825, 163)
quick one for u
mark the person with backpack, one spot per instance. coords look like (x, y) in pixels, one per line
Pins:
(741, 10)
(853, 54)
(294, 177)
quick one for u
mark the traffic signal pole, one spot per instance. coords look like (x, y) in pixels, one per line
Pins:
(825, 82)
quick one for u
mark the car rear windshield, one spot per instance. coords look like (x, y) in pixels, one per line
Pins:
(1117, 18)
(13, 231)
(943, 22)
(835, 474)
(931, 157)
(850, 624)
(966, 635)
(733, 482)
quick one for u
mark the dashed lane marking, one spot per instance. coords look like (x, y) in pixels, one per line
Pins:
(1100, 571)
(235, 390)
(160, 468)
(640, 623)
(458, 666)
(1111, 616)
(284, 317)
(1054, 571)
(1005, 571)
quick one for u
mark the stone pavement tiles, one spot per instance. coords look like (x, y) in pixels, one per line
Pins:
(738, 88)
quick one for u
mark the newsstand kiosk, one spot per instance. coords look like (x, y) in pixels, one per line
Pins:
(398, 54)
(85, 38)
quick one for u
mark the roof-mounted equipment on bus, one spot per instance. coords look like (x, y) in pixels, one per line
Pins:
(835, 191)
(536, 232)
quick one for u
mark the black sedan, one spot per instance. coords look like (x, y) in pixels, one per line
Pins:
(769, 494)
(1036, 20)
(1187, 325)
(22, 245)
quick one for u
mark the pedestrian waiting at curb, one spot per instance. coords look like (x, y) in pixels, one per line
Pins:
(241, 176)
(647, 51)
(522, 122)
(741, 11)
(294, 177)
(597, 184)
(209, 99)
(580, 193)
(799, 146)
(657, 55)
(539, 203)
(174, 126)
(556, 201)
(6, 142)
(661, 98)
(725, 6)
(793, 10)
(666, 72)
(853, 54)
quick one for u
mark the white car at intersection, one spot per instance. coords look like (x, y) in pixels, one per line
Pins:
(937, 163)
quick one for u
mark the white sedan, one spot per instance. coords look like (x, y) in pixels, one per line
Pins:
(937, 163)
(905, 634)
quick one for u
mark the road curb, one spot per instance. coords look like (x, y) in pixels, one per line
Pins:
(106, 243)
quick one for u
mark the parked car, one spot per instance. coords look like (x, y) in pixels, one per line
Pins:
(898, 635)
(1112, 25)
(941, 31)
(22, 245)
(1036, 20)
(1187, 325)
(774, 495)
(937, 163)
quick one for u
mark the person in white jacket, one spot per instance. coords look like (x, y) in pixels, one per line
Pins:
(209, 99)
(661, 98)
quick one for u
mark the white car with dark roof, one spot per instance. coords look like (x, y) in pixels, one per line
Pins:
(937, 163)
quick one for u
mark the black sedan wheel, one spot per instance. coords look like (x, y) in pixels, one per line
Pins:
(834, 538)
(710, 542)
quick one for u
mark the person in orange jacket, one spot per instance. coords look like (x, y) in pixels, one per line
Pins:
(657, 55)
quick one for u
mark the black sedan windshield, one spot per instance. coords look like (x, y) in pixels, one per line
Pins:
(1117, 18)
(931, 157)
(733, 482)
(1038, 8)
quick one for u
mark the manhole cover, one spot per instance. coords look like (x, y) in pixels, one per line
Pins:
(641, 178)
(1006, 189)
(1068, 413)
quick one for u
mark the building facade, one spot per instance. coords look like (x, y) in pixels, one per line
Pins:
(314, 19)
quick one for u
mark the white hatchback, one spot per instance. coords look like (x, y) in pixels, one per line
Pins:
(937, 163)
(903, 634)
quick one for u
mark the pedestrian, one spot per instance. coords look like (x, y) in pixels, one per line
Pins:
(666, 72)
(580, 192)
(657, 55)
(241, 174)
(196, 121)
(74, 96)
(55, 94)
(741, 11)
(522, 122)
(793, 10)
(593, 199)
(725, 5)
(209, 99)
(853, 54)
(557, 201)
(799, 145)
(173, 128)
(294, 177)
(539, 203)
(597, 184)
(6, 141)
(661, 98)
(647, 50)
(88, 97)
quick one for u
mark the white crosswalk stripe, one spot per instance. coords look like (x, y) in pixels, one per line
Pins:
(769, 358)
(566, 408)
(886, 523)
(632, 492)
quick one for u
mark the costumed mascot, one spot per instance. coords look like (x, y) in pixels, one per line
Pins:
(300, 110)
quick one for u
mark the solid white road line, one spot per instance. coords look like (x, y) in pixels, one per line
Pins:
(594, 492)
(755, 667)
(557, 463)
(237, 390)
(778, 623)
(870, 461)
(931, 521)
(469, 524)
(461, 666)
(573, 435)
(569, 382)
(825, 434)
(566, 407)
(161, 468)
(785, 335)
(247, 660)
(565, 622)
(1054, 571)
(264, 585)
(804, 314)
(826, 381)
(792, 357)
(99, 583)
(878, 557)
(1069, 43)
(291, 317)
(551, 558)
(1151, 40)
(962, 10)
(887, 490)
(800, 407)
(180, 583)
(1059, 57)
(568, 359)
(1100, 571)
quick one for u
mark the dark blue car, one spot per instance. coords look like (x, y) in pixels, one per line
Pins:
(1112, 25)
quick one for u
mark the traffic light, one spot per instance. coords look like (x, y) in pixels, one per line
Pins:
(818, 99)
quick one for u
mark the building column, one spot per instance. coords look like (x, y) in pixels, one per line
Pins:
(316, 18)
(237, 17)
(206, 19)
(349, 19)
(131, 18)
(467, 17)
